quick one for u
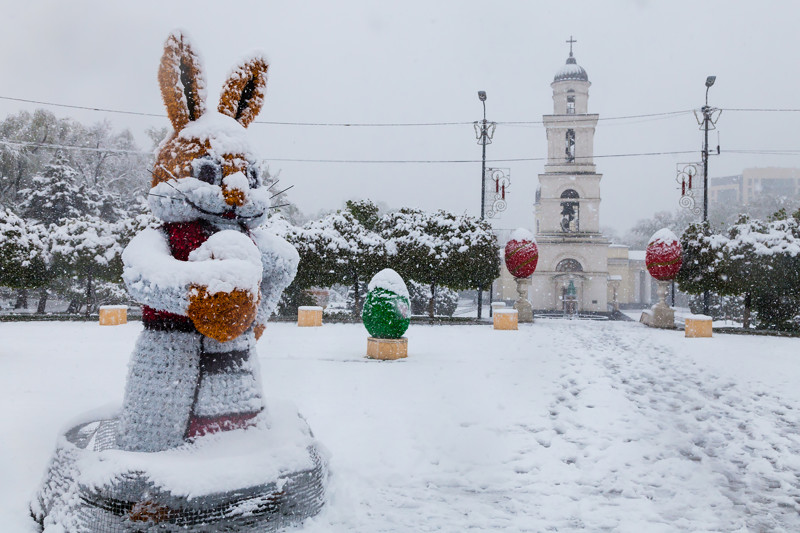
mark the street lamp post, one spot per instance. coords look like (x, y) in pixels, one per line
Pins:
(483, 141)
(484, 131)
(707, 111)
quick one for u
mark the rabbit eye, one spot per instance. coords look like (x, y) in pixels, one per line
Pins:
(207, 170)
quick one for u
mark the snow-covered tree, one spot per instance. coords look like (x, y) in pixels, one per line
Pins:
(55, 194)
(23, 253)
(90, 250)
(702, 268)
(763, 265)
(104, 159)
(338, 249)
(442, 249)
(757, 261)
(365, 211)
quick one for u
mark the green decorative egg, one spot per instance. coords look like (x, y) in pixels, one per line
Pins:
(387, 308)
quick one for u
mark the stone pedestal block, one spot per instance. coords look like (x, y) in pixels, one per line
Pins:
(113, 315)
(660, 315)
(506, 319)
(698, 326)
(387, 349)
(522, 305)
(309, 316)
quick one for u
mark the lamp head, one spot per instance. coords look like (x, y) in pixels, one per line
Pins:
(710, 81)
(482, 95)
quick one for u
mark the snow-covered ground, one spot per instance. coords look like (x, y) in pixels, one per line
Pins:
(560, 426)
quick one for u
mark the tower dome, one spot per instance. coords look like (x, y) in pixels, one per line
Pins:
(571, 71)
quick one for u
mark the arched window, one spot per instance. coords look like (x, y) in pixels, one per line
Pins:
(570, 105)
(570, 211)
(570, 146)
(569, 265)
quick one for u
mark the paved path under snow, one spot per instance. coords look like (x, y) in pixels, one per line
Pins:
(598, 427)
(560, 426)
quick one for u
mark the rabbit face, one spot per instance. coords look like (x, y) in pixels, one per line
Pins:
(207, 170)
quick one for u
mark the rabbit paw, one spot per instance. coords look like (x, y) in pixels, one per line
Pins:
(223, 316)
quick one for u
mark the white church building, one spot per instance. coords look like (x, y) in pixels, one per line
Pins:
(579, 269)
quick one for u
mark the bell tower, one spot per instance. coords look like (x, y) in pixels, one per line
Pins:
(573, 261)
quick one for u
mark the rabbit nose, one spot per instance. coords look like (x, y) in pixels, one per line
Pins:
(234, 189)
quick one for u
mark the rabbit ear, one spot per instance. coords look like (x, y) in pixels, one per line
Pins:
(243, 94)
(183, 86)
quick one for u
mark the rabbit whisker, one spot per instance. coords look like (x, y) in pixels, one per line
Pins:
(197, 207)
(281, 192)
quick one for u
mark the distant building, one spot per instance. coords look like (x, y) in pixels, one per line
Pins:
(579, 270)
(754, 182)
(629, 284)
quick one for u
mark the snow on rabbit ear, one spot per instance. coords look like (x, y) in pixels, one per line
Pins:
(243, 94)
(183, 85)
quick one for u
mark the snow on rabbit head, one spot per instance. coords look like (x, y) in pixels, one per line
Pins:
(207, 169)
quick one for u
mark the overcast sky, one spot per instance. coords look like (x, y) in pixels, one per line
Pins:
(424, 61)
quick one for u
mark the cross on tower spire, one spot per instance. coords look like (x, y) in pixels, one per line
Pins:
(571, 40)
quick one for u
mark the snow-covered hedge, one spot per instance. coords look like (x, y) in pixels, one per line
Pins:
(757, 260)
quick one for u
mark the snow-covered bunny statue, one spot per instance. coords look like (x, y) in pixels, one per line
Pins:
(209, 277)
(194, 447)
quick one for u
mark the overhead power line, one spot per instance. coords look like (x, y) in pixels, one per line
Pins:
(72, 147)
(342, 124)
(85, 108)
(762, 110)
(500, 160)
(393, 124)
(360, 161)
(54, 146)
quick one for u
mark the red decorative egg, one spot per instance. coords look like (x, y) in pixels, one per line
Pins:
(521, 257)
(663, 255)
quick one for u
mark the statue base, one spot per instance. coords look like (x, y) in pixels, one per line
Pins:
(263, 478)
(387, 349)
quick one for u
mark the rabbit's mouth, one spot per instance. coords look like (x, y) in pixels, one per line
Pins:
(228, 214)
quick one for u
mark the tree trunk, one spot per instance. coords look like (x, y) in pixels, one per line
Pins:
(746, 314)
(22, 299)
(40, 309)
(89, 292)
(432, 301)
(356, 299)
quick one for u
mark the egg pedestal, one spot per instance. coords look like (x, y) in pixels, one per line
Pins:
(522, 305)
(521, 257)
(663, 260)
(386, 315)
